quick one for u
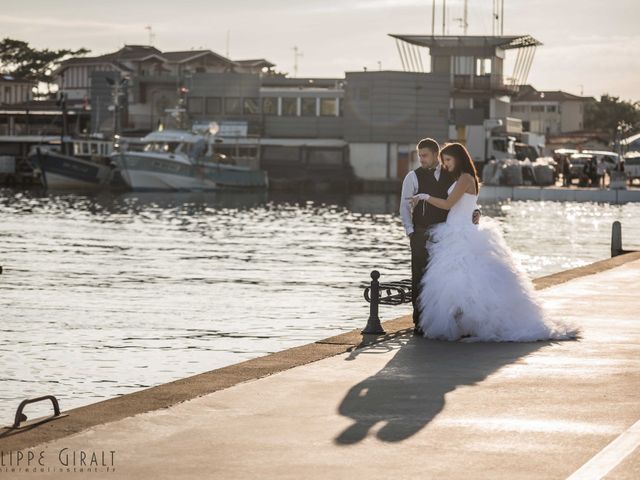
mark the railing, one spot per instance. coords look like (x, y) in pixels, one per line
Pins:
(389, 293)
(21, 417)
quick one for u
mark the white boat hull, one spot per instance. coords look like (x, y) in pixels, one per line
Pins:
(146, 180)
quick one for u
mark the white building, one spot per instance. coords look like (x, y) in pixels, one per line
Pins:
(14, 90)
(549, 112)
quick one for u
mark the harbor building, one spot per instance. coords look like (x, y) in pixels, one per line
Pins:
(481, 92)
(549, 112)
(361, 127)
(13, 92)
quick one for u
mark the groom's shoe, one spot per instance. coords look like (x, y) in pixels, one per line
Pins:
(418, 331)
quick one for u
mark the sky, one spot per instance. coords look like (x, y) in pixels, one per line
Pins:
(589, 47)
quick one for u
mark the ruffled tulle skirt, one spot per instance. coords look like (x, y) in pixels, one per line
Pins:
(474, 290)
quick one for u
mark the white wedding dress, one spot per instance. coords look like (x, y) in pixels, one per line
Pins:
(474, 290)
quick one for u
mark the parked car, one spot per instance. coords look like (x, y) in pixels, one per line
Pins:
(611, 159)
(577, 161)
(561, 156)
(632, 166)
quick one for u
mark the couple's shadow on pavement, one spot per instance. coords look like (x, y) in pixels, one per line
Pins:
(410, 390)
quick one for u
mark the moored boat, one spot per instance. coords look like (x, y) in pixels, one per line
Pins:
(181, 160)
(79, 164)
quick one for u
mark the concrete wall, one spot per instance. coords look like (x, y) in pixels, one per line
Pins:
(224, 85)
(303, 127)
(399, 107)
(382, 161)
(369, 160)
(572, 116)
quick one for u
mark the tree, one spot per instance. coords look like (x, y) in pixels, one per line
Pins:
(610, 112)
(20, 60)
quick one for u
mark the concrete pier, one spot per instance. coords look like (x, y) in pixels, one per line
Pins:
(392, 407)
(559, 194)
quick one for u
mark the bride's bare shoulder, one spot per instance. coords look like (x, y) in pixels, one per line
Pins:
(466, 178)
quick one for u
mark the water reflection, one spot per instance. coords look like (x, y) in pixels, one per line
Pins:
(105, 294)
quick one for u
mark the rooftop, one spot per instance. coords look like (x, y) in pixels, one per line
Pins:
(12, 79)
(528, 93)
(143, 52)
(453, 41)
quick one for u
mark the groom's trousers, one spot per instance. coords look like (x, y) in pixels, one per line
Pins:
(419, 258)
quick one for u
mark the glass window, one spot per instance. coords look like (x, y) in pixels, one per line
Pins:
(232, 106)
(551, 108)
(214, 105)
(250, 106)
(289, 107)
(194, 105)
(518, 108)
(328, 106)
(308, 107)
(484, 105)
(463, 65)
(483, 66)
(270, 105)
(537, 108)
(499, 145)
(325, 157)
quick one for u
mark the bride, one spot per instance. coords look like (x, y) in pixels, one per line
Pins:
(472, 288)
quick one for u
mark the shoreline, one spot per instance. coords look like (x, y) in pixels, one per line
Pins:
(181, 390)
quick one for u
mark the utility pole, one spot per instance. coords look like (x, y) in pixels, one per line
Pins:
(464, 20)
(433, 18)
(296, 55)
(465, 17)
(228, 35)
(62, 103)
(444, 15)
(497, 20)
(117, 88)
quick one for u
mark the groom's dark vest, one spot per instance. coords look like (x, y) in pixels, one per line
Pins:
(425, 216)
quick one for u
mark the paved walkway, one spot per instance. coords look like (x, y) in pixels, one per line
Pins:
(413, 408)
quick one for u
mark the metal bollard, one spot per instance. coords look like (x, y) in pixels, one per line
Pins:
(616, 239)
(373, 323)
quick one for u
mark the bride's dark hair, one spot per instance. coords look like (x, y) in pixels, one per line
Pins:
(464, 164)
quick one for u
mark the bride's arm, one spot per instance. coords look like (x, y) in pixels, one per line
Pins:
(461, 187)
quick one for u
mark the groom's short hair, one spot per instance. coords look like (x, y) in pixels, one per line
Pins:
(429, 143)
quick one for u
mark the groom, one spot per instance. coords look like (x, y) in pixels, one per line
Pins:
(430, 177)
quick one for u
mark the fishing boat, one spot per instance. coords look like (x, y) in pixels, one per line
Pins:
(182, 160)
(74, 164)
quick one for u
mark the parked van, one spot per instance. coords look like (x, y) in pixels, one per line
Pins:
(632, 166)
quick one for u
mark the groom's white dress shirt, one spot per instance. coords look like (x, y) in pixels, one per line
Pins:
(409, 189)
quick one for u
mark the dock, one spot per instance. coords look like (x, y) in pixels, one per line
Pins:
(393, 406)
(559, 194)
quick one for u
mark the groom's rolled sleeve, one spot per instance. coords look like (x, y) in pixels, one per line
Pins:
(409, 189)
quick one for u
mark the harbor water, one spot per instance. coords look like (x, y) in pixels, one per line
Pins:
(105, 294)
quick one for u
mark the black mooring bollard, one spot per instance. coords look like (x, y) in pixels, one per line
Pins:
(373, 324)
(616, 239)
